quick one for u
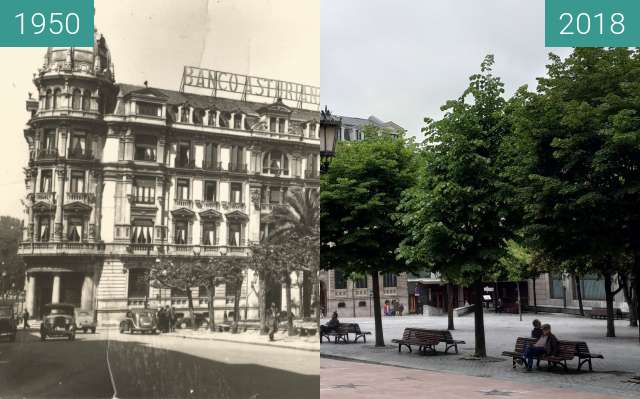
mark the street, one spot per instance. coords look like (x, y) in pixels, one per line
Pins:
(148, 366)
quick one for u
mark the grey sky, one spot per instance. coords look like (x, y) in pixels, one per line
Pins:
(152, 40)
(402, 59)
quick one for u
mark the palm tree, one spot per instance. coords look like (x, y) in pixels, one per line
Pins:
(299, 220)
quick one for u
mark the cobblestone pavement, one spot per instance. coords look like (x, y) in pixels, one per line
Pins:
(352, 380)
(613, 375)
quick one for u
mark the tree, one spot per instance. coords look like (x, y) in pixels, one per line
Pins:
(580, 153)
(360, 194)
(10, 262)
(455, 216)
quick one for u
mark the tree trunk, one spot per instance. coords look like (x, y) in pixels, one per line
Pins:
(629, 298)
(579, 292)
(636, 295)
(611, 329)
(236, 307)
(315, 301)
(289, 313)
(450, 306)
(307, 292)
(211, 292)
(481, 348)
(262, 299)
(299, 278)
(192, 313)
(535, 298)
(377, 313)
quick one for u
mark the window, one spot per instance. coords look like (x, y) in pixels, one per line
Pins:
(145, 190)
(341, 305)
(212, 118)
(184, 155)
(230, 293)
(265, 231)
(389, 280)
(272, 124)
(142, 231)
(235, 193)
(76, 101)
(312, 162)
(46, 181)
(198, 116)
(146, 147)
(209, 236)
(138, 283)
(180, 236)
(78, 145)
(276, 163)
(275, 196)
(223, 120)
(237, 121)
(77, 181)
(43, 229)
(173, 113)
(184, 116)
(312, 130)
(281, 126)
(591, 287)
(340, 280)
(361, 282)
(235, 234)
(57, 98)
(347, 134)
(74, 230)
(210, 156)
(49, 143)
(210, 191)
(148, 109)
(47, 100)
(362, 304)
(237, 159)
(555, 286)
(86, 100)
(182, 191)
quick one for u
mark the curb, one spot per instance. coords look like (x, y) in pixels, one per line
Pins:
(244, 342)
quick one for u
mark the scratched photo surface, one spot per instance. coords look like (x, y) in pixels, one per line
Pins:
(159, 215)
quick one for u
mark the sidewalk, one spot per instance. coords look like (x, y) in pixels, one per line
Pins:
(346, 380)
(282, 340)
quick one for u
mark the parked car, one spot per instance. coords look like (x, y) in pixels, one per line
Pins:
(85, 320)
(7, 322)
(58, 321)
(184, 321)
(143, 320)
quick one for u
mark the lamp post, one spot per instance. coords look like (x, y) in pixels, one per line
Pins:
(329, 128)
(4, 285)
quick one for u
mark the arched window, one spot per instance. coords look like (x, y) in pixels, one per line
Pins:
(212, 117)
(237, 121)
(77, 99)
(47, 100)
(198, 116)
(276, 163)
(224, 119)
(86, 100)
(57, 98)
(185, 114)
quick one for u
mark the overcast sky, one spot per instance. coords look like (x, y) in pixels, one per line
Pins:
(153, 40)
(402, 59)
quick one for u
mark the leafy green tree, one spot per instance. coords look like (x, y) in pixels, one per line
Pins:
(455, 216)
(580, 156)
(360, 194)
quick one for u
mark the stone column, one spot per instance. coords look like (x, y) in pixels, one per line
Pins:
(86, 298)
(61, 174)
(55, 292)
(30, 299)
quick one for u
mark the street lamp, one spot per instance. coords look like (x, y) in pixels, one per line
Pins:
(4, 286)
(329, 128)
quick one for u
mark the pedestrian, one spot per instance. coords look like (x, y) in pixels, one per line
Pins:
(273, 321)
(547, 344)
(161, 319)
(393, 307)
(174, 319)
(25, 318)
(400, 309)
(387, 308)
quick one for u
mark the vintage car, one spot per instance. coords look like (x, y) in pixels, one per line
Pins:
(143, 320)
(85, 320)
(58, 321)
(7, 322)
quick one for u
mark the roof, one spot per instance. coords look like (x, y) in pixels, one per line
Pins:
(202, 101)
(371, 120)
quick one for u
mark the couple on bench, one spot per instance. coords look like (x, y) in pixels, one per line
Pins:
(332, 325)
(546, 344)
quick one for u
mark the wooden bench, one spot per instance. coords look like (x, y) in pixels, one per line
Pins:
(354, 328)
(567, 351)
(445, 337)
(341, 333)
(601, 313)
(424, 339)
(585, 356)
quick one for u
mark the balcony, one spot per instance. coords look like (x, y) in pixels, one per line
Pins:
(340, 293)
(85, 155)
(47, 154)
(390, 291)
(85, 198)
(361, 292)
(182, 203)
(59, 248)
(215, 166)
(236, 205)
(275, 171)
(142, 249)
(311, 174)
(48, 197)
(237, 167)
(210, 204)
(143, 200)
(268, 207)
(185, 163)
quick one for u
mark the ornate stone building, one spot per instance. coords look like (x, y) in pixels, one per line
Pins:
(120, 176)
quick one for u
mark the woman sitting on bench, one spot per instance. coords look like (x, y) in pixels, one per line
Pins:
(547, 344)
(331, 325)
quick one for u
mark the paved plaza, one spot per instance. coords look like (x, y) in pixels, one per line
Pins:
(613, 375)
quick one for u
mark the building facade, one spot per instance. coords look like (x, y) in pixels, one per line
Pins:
(120, 176)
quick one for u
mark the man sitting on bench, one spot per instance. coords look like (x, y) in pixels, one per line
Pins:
(332, 325)
(547, 344)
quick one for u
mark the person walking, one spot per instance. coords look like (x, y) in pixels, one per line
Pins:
(273, 321)
(172, 319)
(25, 318)
(162, 319)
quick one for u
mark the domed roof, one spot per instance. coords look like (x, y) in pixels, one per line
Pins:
(94, 60)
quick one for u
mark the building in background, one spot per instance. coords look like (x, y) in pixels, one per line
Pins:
(120, 176)
(351, 129)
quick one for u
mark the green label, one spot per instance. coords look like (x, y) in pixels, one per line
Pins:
(592, 23)
(46, 23)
